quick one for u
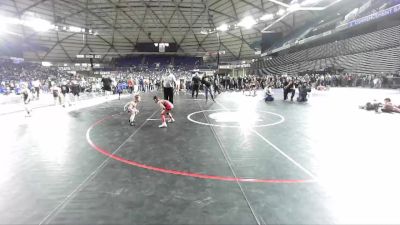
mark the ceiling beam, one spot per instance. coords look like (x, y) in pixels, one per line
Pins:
(236, 57)
(131, 18)
(158, 18)
(31, 6)
(115, 22)
(254, 5)
(224, 14)
(102, 20)
(22, 27)
(190, 24)
(165, 28)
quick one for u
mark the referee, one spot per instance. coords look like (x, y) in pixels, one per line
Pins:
(169, 83)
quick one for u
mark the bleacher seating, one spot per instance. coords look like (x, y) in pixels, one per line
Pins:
(163, 61)
(369, 53)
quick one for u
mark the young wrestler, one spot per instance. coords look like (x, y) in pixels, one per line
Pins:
(166, 107)
(389, 107)
(27, 97)
(269, 94)
(132, 109)
(253, 87)
(369, 106)
(56, 90)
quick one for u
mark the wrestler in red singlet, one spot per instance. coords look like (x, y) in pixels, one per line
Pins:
(166, 107)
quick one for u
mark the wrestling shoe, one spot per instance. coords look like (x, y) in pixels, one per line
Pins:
(132, 123)
(163, 125)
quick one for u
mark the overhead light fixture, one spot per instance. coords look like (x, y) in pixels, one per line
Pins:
(47, 64)
(9, 20)
(309, 2)
(294, 7)
(279, 3)
(247, 22)
(267, 17)
(3, 27)
(223, 27)
(281, 12)
(37, 24)
(75, 29)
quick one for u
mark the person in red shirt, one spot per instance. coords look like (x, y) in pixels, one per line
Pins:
(166, 107)
(130, 85)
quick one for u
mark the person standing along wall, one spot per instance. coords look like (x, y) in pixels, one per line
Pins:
(195, 84)
(107, 85)
(207, 88)
(36, 84)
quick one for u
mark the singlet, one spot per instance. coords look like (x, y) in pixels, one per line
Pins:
(26, 95)
(131, 106)
(168, 105)
(55, 92)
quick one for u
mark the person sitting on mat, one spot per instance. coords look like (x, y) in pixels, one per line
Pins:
(304, 89)
(269, 95)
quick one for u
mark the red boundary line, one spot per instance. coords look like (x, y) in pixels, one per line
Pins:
(177, 172)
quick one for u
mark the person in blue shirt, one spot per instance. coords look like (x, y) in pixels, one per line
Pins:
(120, 88)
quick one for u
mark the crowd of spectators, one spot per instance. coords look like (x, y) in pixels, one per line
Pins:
(12, 75)
(343, 80)
(146, 79)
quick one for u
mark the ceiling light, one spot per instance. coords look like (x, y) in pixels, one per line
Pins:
(75, 29)
(281, 12)
(247, 22)
(223, 27)
(38, 24)
(9, 20)
(294, 7)
(3, 27)
(267, 17)
(309, 2)
(47, 64)
(279, 3)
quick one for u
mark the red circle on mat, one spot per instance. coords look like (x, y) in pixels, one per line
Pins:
(178, 172)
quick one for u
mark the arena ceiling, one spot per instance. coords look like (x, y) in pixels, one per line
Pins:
(113, 27)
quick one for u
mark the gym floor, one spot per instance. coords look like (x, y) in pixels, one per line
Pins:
(237, 161)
